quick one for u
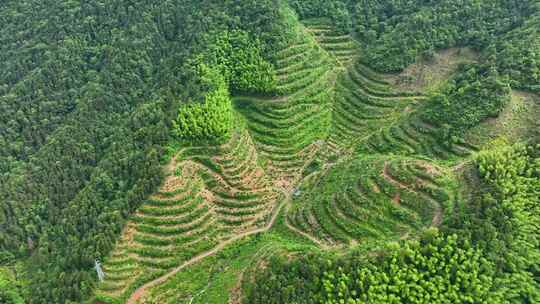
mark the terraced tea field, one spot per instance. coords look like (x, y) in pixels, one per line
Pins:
(210, 195)
(341, 47)
(364, 104)
(372, 198)
(411, 135)
(287, 129)
(346, 153)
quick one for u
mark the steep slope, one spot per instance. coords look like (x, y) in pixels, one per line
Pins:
(211, 194)
(287, 129)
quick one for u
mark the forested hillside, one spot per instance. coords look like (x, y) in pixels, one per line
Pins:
(88, 96)
(269, 151)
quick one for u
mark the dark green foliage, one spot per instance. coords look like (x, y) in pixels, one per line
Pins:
(396, 32)
(240, 60)
(88, 90)
(518, 55)
(474, 94)
(336, 11)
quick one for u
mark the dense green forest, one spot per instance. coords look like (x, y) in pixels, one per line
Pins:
(176, 126)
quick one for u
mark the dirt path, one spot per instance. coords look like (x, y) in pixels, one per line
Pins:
(437, 217)
(141, 291)
(306, 235)
(171, 165)
(461, 165)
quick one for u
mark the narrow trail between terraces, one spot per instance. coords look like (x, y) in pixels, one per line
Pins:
(438, 214)
(141, 291)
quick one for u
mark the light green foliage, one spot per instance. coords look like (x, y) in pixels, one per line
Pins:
(512, 207)
(210, 120)
(503, 218)
(87, 107)
(239, 58)
(8, 292)
(439, 270)
(508, 169)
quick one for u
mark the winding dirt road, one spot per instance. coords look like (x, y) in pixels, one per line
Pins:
(141, 291)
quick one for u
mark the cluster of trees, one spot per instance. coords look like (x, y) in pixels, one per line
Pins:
(88, 93)
(210, 120)
(503, 219)
(487, 252)
(337, 12)
(9, 294)
(475, 93)
(396, 31)
(232, 63)
(239, 58)
(436, 269)
(517, 54)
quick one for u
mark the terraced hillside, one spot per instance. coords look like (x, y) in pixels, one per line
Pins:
(369, 114)
(364, 104)
(376, 178)
(372, 198)
(340, 46)
(411, 135)
(364, 101)
(287, 129)
(210, 195)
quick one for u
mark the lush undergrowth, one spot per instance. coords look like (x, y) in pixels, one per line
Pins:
(396, 33)
(9, 292)
(88, 92)
(435, 269)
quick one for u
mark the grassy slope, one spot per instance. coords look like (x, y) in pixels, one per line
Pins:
(330, 107)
